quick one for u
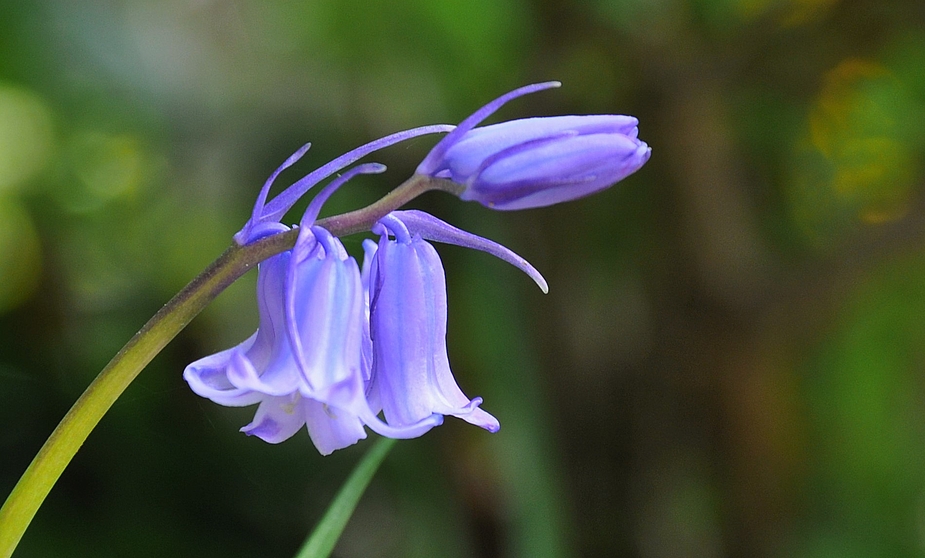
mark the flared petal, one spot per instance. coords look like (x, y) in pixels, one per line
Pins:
(351, 396)
(331, 428)
(277, 418)
(282, 380)
(263, 363)
(208, 378)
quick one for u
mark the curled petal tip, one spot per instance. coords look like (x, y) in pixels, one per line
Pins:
(542, 284)
(432, 228)
(472, 414)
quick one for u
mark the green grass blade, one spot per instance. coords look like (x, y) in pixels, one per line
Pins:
(322, 540)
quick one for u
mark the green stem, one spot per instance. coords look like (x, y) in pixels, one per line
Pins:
(29, 493)
(332, 524)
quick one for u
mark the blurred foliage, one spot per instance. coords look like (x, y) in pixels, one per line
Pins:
(729, 362)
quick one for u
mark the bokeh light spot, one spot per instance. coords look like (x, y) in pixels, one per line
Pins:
(25, 136)
(858, 161)
(108, 166)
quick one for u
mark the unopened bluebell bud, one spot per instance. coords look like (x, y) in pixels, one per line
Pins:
(535, 162)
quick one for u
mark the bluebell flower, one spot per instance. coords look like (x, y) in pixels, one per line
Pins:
(411, 376)
(304, 365)
(263, 370)
(535, 162)
(337, 345)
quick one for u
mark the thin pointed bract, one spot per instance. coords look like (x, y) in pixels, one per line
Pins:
(248, 234)
(432, 228)
(314, 208)
(432, 161)
(272, 211)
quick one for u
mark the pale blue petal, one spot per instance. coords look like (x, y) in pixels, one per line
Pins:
(331, 428)
(207, 378)
(277, 418)
(466, 156)
(411, 371)
(325, 310)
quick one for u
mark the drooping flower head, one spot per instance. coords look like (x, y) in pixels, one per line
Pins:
(411, 376)
(535, 162)
(337, 345)
(411, 371)
(263, 370)
(303, 365)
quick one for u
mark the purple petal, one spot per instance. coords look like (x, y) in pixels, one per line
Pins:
(535, 162)
(277, 419)
(555, 173)
(331, 428)
(268, 366)
(242, 374)
(467, 155)
(411, 371)
(324, 298)
(369, 254)
(207, 378)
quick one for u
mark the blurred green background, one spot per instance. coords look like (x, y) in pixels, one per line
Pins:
(731, 358)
